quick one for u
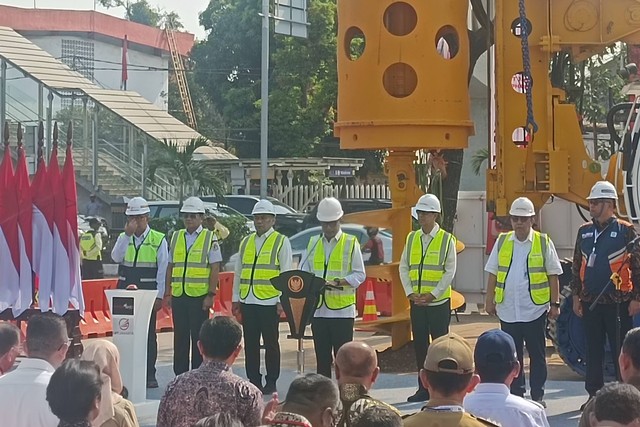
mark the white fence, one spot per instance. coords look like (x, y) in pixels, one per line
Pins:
(302, 197)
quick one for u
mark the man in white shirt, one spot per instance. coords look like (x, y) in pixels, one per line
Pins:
(523, 286)
(427, 267)
(263, 255)
(497, 365)
(143, 258)
(336, 257)
(23, 391)
(194, 264)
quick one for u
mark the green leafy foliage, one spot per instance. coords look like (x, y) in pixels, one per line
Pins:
(188, 174)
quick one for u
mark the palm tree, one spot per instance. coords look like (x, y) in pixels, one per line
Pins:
(190, 174)
(478, 159)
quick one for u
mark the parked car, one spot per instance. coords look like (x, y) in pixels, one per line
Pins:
(165, 209)
(300, 241)
(348, 206)
(288, 220)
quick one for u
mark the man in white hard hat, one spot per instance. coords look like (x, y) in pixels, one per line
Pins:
(143, 257)
(194, 264)
(604, 250)
(523, 291)
(263, 255)
(427, 267)
(336, 257)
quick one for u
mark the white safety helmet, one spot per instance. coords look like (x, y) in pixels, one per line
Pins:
(263, 207)
(192, 205)
(603, 190)
(522, 207)
(329, 209)
(137, 206)
(428, 203)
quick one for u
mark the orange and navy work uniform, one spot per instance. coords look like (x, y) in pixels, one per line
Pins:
(600, 251)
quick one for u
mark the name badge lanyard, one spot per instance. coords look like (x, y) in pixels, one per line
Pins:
(255, 259)
(421, 266)
(592, 256)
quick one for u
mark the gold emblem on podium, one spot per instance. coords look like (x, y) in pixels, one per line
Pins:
(295, 284)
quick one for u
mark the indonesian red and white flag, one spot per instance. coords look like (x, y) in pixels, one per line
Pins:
(72, 244)
(61, 280)
(9, 246)
(25, 211)
(42, 222)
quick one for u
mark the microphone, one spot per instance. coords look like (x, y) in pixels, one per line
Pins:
(309, 252)
(634, 243)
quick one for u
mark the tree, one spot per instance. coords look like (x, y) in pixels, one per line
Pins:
(190, 175)
(303, 82)
(142, 12)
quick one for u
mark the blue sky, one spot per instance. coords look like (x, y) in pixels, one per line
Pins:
(187, 9)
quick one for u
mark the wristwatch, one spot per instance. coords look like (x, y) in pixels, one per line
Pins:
(337, 281)
(555, 304)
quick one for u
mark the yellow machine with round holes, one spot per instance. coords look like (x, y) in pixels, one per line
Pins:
(402, 74)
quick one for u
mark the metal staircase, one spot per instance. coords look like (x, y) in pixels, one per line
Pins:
(181, 78)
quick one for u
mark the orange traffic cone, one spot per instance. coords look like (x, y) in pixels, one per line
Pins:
(370, 312)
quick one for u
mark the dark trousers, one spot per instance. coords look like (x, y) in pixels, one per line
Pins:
(533, 336)
(427, 324)
(598, 324)
(261, 321)
(188, 316)
(152, 347)
(329, 335)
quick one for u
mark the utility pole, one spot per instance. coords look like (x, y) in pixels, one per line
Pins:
(264, 108)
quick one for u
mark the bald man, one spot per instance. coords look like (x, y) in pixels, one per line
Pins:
(356, 372)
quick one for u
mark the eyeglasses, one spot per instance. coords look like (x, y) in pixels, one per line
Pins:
(67, 343)
(519, 218)
(189, 215)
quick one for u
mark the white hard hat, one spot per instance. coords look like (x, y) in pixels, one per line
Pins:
(263, 207)
(329, 209)
(137, 206)
(603, 190)
(192, 205)
(522, 207)
(428, 203)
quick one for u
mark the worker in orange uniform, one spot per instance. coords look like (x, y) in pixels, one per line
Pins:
(605, 249)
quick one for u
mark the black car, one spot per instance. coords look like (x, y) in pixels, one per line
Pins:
(348, 206)
(288, 220)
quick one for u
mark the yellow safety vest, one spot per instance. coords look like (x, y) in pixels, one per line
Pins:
(191, 268)
(140, 265)
(538, 279)
(426, 267)
(89, 247)
(259, 267)
(338, 267)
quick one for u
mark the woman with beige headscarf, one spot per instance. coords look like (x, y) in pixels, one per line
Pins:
(115, 410)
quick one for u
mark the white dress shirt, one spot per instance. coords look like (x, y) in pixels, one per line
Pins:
(495, 403)
(449, 266)
(120, 250)
(284, 258)
(23, 395)
(355, 277)
(517, 305)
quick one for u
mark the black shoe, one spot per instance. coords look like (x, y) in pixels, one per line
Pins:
(584, 405)
(419, 396)
(269, 389)
(152, 383)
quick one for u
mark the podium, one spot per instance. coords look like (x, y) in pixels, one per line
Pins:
(130, 315)
(299, 299)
